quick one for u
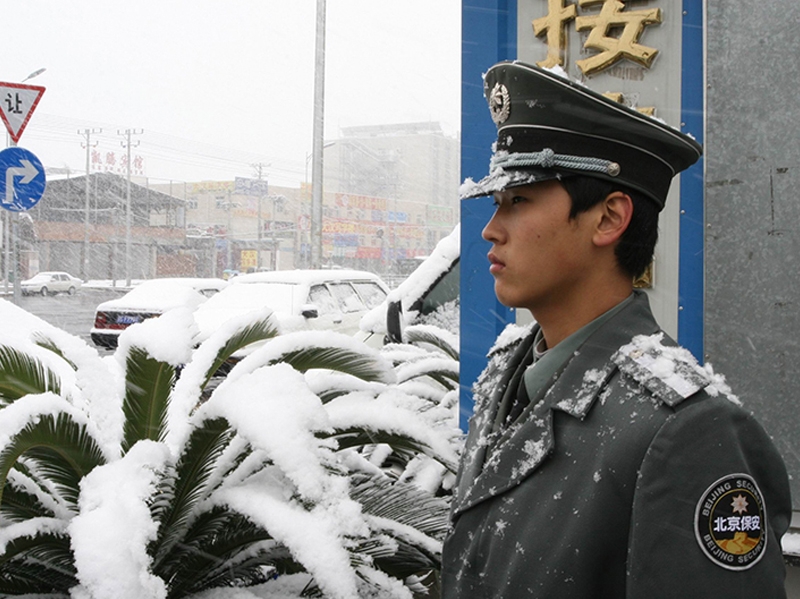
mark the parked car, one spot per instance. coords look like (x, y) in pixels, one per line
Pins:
(148, 300)
(300, 299)
(429, 295)
(50, 283)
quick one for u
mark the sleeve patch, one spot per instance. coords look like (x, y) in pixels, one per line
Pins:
(730, 522)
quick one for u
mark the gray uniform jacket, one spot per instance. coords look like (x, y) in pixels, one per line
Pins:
(634, 474)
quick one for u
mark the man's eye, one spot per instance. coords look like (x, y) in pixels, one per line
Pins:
(517, 199)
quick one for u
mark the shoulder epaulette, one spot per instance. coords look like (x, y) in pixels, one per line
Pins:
(670, 373)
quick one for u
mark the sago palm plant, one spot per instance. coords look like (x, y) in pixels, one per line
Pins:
(316, 467)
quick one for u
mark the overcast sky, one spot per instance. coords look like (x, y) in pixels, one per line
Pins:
(219, 84)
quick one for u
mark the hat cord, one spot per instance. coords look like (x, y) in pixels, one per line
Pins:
(549, 159)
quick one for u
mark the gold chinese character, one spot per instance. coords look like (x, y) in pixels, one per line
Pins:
(612, 49)
(555, 26)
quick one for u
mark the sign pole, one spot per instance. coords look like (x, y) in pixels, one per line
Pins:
(6, 240)
(15, 258)
(6, 249)
(12, 247)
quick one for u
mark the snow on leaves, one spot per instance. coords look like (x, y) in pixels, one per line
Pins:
(269, 456)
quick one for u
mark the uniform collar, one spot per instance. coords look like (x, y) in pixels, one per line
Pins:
(523, 447)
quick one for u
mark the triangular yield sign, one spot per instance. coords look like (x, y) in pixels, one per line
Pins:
(17, 103)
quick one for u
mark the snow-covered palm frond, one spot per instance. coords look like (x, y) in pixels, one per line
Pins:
(309, 350)
(359, 365)
(414, 521)
(442, 370)
(62, 450)
(404, 446)
(148, 383)
(403, 503)
(188, 484)
(220, 549)
(23, 502)
(328, 385)
(261, 480)
(46, 342)
(260, 330)
(21, 374)
(438, 338)
(37, 562)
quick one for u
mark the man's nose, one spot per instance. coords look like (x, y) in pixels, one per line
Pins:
(492, 231)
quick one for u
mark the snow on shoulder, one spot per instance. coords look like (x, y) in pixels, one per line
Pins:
(670, 372)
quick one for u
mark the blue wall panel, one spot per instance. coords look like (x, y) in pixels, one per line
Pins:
(489, 33)
(691, 274)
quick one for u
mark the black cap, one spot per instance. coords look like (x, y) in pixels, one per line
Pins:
(549, 127)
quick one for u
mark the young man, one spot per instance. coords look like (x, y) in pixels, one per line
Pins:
(602, 461)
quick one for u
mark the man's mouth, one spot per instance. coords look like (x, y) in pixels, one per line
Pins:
(495, 265)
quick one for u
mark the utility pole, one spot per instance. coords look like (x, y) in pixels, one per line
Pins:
(319, 132)
(259, 166)
(127, 144)
(87, 133)
(229, 234)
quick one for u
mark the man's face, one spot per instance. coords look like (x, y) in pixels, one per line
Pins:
(538, 256)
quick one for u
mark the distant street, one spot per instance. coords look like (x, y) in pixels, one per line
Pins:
(72, 313)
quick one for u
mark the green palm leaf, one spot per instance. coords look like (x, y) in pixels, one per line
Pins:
(148, 383)
(61, 449)
(362, 365)
(189, 485)
(402, 502)
(416, 335)
(419, 550)
(37, 564)
(21, 374)
(257, 331)
(402, 445)
(44, 341)
(19, 504)
(442, 370)
(222, 548)
(328, 395)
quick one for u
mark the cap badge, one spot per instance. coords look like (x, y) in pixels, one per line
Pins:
(499, 104)
(730, 522)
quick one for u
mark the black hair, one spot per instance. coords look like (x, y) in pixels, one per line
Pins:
(635, 249)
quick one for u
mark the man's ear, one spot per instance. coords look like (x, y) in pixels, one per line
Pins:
(615, 216)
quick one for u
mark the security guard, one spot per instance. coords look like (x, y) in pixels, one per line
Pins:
(602, 460)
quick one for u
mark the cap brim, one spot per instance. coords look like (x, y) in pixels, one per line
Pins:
(500, 179)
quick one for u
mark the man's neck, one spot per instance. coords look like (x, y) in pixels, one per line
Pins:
(562, 320)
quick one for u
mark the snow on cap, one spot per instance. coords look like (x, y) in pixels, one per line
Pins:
(549, 127)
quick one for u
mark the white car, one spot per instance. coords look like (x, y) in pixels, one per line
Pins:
(300, 299)
(148, 300)
(50, 283)
(429, 295)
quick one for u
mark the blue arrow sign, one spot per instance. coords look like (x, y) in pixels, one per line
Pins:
(22, 179)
